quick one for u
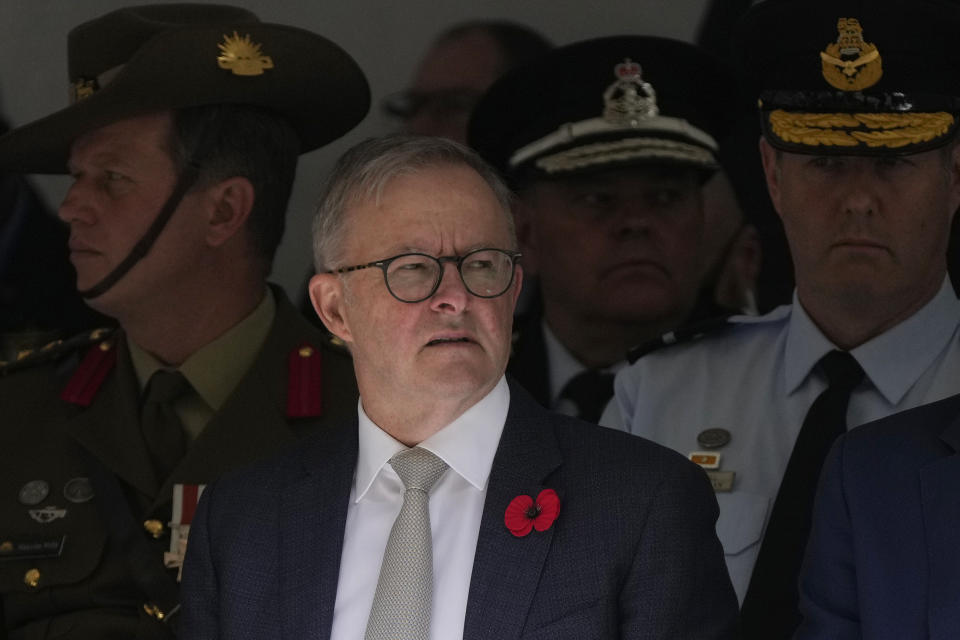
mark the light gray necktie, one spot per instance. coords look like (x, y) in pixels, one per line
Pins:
(402, 602)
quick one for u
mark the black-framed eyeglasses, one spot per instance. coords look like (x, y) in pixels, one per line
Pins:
(414, 277)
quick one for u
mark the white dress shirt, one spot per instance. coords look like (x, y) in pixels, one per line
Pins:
(757, 380)
(467, 445)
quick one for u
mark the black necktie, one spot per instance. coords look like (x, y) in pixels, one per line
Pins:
(162, 429)
(590, 390)
(770, 606)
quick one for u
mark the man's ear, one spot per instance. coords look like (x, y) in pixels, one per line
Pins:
(327, 295)
(517, 285)
(771, 171)
(524, 218)
(231, 202)
(736, 287)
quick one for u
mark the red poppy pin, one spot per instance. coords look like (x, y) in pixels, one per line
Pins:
(524, 513)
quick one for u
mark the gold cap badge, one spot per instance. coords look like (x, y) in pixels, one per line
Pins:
(82, 89)
(242, 56)
(629, 99)
(850, 63)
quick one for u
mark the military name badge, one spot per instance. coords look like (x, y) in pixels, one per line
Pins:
(31, 549)
(722, 481)
(242, 56)
(185, 499)
(850, 63)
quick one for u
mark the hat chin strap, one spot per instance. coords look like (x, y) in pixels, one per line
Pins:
(186, 181)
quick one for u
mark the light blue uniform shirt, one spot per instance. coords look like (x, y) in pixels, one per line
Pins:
(757, 380)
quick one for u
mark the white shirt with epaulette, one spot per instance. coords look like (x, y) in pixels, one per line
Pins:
(756, 379)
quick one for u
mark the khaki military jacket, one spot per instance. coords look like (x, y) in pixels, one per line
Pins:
(66, 567)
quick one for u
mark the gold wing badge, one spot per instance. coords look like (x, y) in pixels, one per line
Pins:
(850, 63)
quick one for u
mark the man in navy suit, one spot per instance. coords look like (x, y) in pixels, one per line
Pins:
(540, 526)
(883, 559)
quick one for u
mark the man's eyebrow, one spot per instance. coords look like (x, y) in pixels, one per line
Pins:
(101, 158)
(396, 250)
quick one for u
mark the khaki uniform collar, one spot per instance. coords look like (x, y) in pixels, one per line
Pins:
(215, 369)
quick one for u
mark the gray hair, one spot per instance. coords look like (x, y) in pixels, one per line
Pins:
(363, 172)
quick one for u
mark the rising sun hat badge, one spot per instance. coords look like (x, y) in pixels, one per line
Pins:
(242, 56)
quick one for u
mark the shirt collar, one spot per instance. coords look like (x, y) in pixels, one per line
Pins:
(467, 445)
(912, 345)
(561, 363)
(215, 369)
(563, 366)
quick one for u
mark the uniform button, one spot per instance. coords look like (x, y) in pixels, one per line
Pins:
(32, 578)
(306, 351)
(153, 611)
(153, 527)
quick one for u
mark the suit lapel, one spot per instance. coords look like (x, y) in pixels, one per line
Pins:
(313, 513)
(506, 569)
(941, 514)
(109, 429)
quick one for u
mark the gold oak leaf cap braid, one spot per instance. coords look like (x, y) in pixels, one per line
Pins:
(854, 77)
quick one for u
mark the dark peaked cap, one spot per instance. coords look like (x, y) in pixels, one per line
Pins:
(567, 85)
(148, 58)
(853, 76)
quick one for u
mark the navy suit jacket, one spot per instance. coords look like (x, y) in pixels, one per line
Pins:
(633, 553)
(883, 559)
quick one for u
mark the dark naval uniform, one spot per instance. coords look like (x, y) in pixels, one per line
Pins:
(84, 520)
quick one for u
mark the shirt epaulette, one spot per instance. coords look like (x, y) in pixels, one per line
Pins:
(680, 336)
(54, 350)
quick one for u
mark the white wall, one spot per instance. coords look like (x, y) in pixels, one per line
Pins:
(386, 39)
